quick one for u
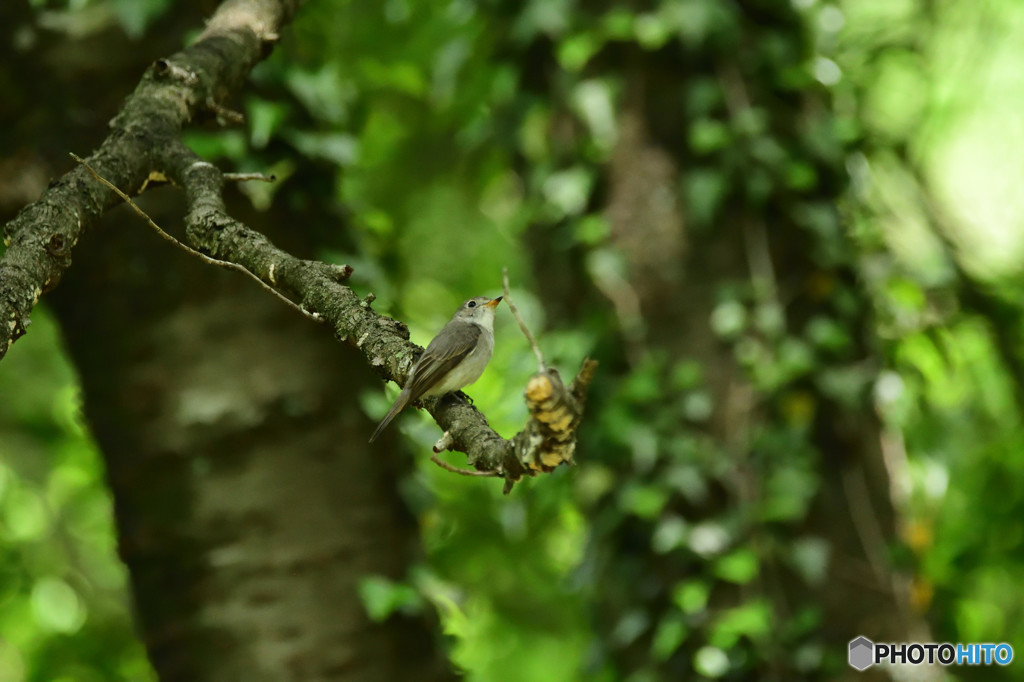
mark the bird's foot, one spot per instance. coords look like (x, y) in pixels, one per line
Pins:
(458, 397)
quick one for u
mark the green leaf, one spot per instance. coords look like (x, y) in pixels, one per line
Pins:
(618, 23)
(231, 144)
(685, 374)
(652, 31)
(670, 634)
(711, 662)
(691, 596)
(575, 52)
(753, 620)
(729, 319)
(705, 191)
(135, 16)
(24, 514)
(382, 597)
(323, 92)
(338, 148)
(264, 118)
(801, 176)
(739, 567)
(828, 334)
(645, 501)
(632, 624)
(591, 230)
(708, 135)
(788, 493)
(56, 606)
(669, 534)
(810, 557)
(568, 191)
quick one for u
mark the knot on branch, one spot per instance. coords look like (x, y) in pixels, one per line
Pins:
(336, 272)
(166, 69)
(58, 245)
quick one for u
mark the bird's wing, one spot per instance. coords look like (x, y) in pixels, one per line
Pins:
(445, 352)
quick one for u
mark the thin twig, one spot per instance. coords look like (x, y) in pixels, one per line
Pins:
(245, 177)
(462, 472)
(226, 116)
(188, 249)
(444, 442)
(522, 325)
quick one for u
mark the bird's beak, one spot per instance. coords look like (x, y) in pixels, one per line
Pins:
(494, 303)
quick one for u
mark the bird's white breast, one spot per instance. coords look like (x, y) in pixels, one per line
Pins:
(470, 369)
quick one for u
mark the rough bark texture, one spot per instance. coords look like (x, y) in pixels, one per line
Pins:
(248, 502)
(173, 92)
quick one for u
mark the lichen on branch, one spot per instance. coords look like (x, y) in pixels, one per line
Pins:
(171, 93)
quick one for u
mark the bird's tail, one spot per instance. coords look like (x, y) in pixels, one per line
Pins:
(400, 403)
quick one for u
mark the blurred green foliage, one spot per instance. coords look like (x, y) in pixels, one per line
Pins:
(63, 591)
(417, 135)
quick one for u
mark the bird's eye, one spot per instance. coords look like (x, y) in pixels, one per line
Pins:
(472, 304)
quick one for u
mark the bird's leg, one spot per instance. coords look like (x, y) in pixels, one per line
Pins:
(459, 397)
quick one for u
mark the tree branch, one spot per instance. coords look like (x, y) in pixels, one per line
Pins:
(188, 249)
(172, 92)
(548, 439)
(144, 144)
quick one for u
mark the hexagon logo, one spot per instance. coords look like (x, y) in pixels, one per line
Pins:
(862, 653)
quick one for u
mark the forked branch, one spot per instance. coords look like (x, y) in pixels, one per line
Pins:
(145, 146)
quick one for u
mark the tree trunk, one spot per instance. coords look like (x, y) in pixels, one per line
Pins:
(248, 502)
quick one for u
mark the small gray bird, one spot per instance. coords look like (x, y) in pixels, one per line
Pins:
(455, 358)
